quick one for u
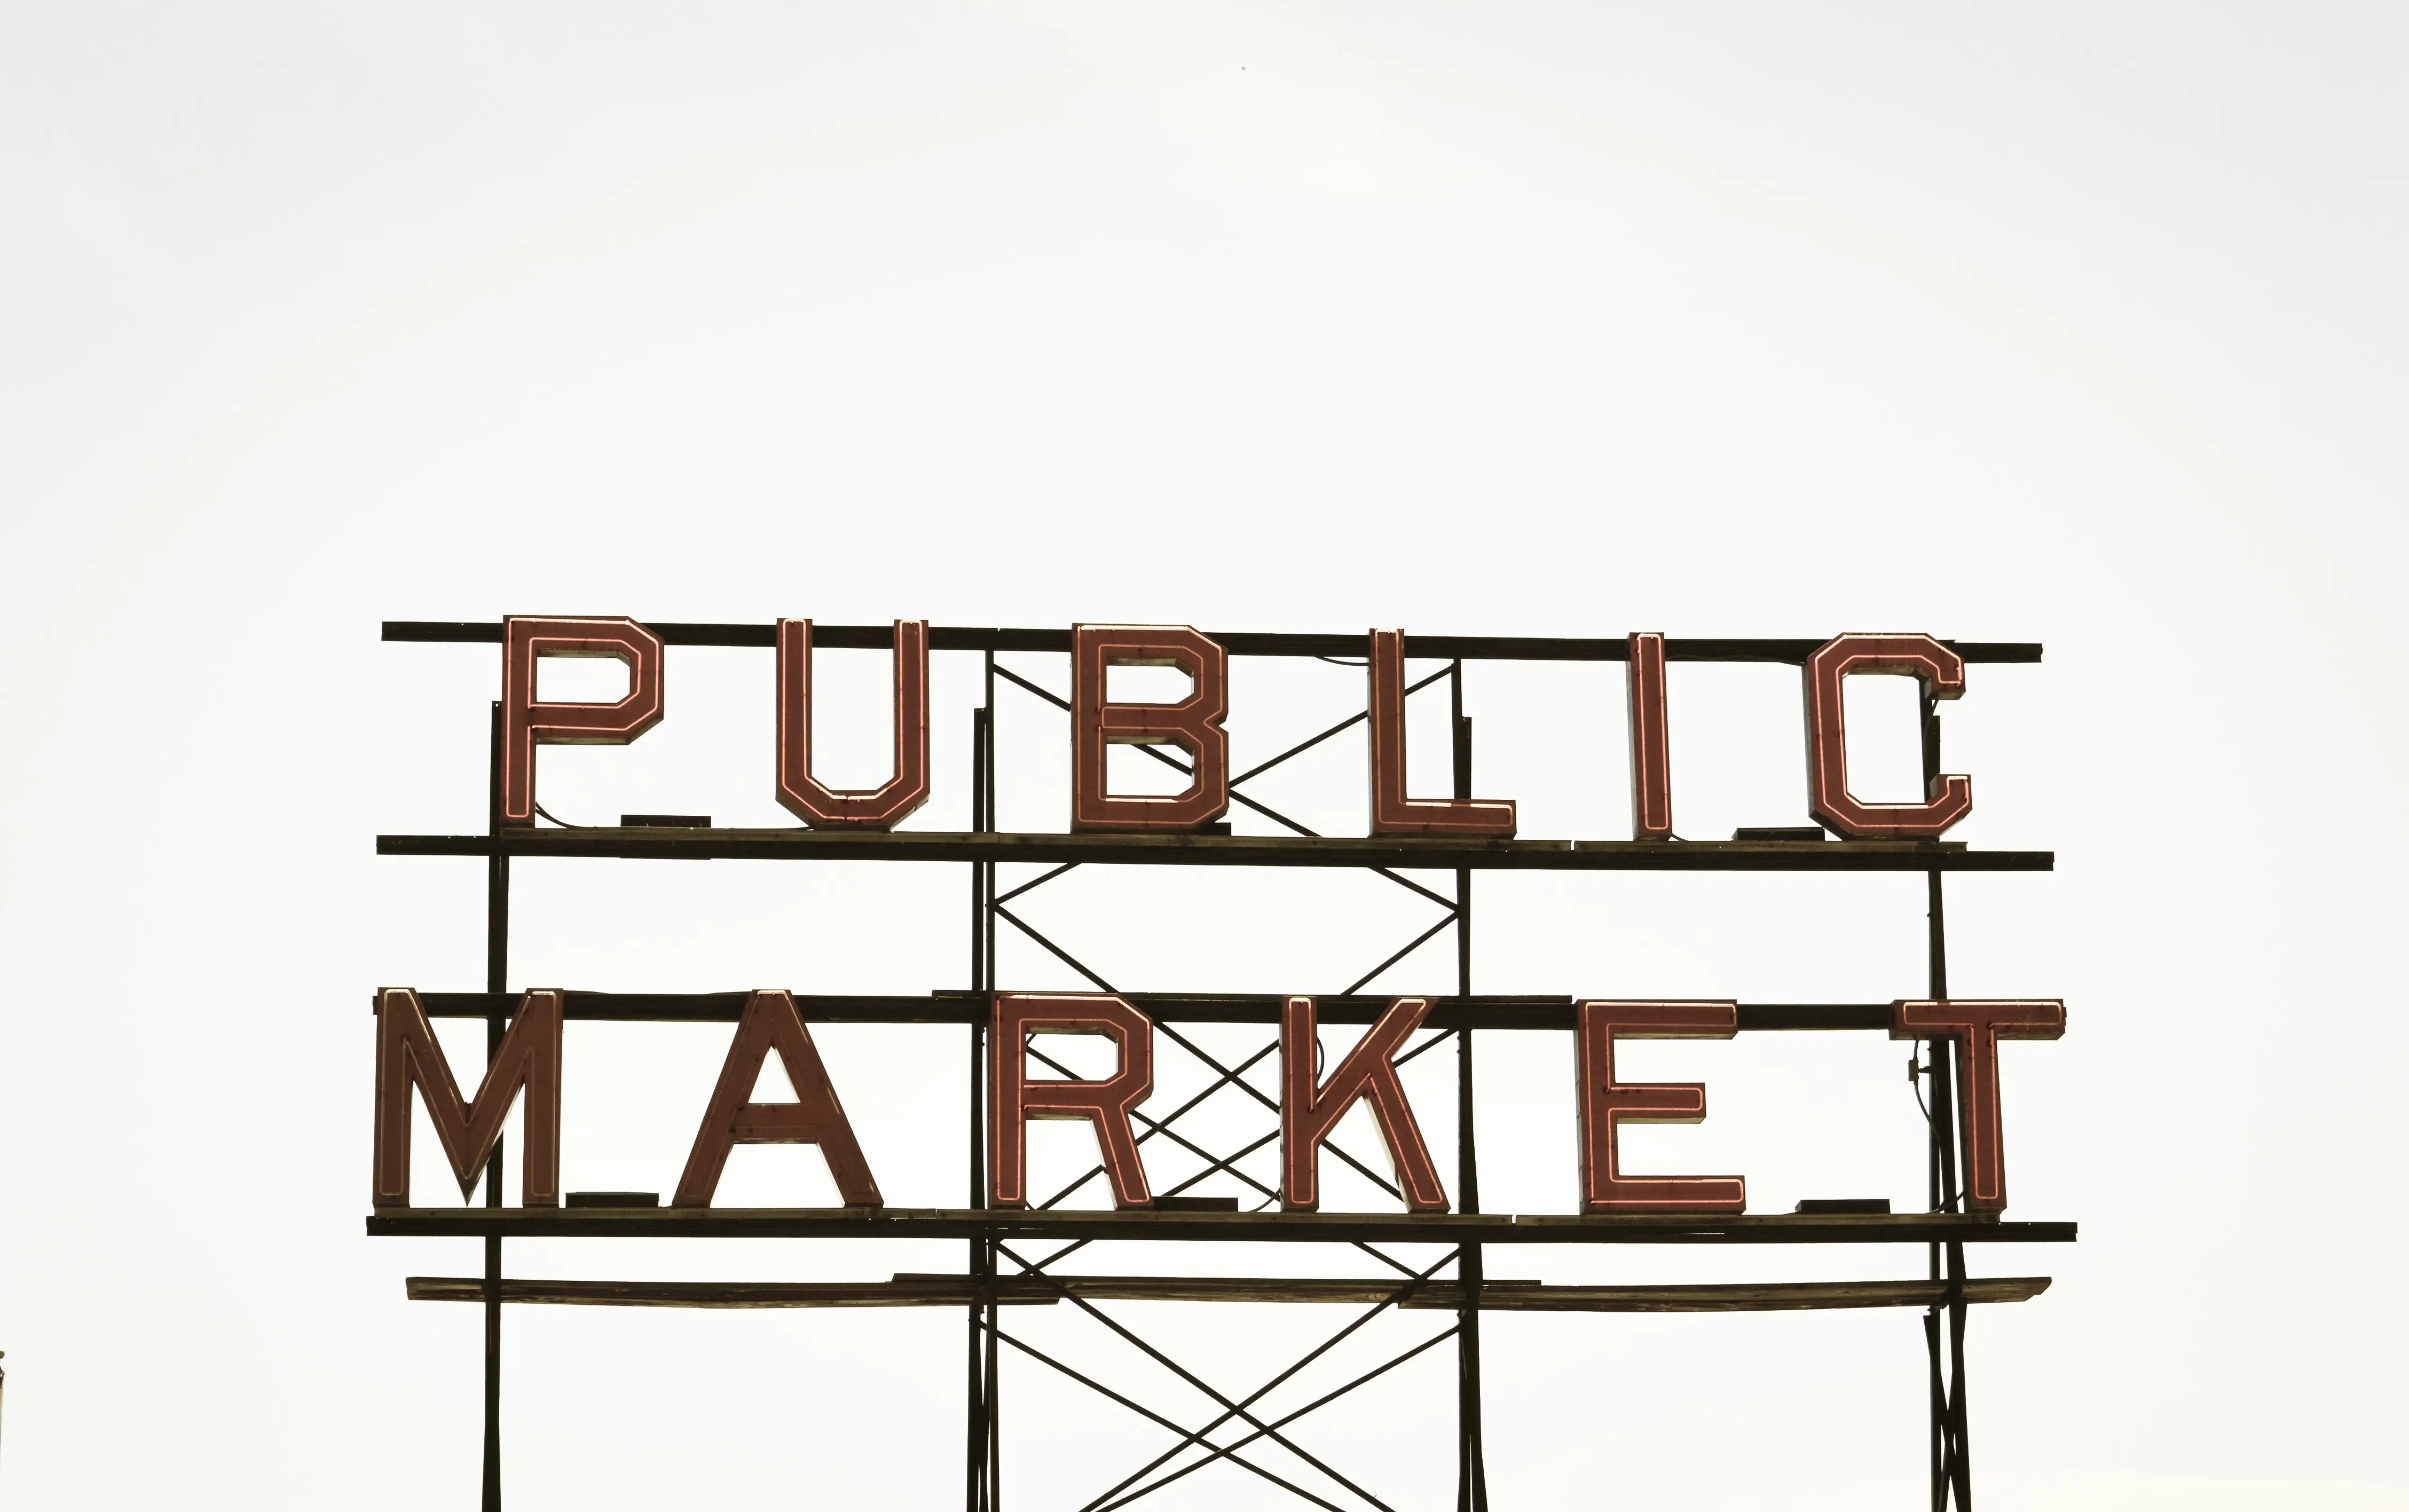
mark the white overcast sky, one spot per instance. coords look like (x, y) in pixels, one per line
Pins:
(2073, 324)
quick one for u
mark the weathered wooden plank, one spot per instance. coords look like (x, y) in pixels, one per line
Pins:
(643, 841)
(1749, 1296)
(912, 1290)
(954, 1291)
(1291, 1228)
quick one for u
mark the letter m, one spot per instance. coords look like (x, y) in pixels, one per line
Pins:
(529, 1058)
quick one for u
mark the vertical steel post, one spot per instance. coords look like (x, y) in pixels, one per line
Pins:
(498, 959)
(1472, 1472)
(983, 1467)
(987, 923)
(981, 1257)
(1952, 1473)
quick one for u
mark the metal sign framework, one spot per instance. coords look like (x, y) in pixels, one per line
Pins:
(1000, 1269)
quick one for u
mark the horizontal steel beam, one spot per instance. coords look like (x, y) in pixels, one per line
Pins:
(1296, 1228)
(1237, 642)
(1430, 1296)
(1480, 1013)
(648, 842)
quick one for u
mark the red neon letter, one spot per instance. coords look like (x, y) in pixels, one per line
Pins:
(529, 1058)
(1392, 812)
(1943, 673)
(1013, 1099)
(814, 1117)
(526, 724)
(1193, 725)
(1606, 1102)
(1309, 1114)
(1977, 1029)
(1652, 780)
(875, 807)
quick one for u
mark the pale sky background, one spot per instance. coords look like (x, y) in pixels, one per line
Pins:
(2075, 324)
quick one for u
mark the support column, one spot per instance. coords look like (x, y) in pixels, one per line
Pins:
(983, 1460)
(1952, 1471)
(1472, 1475)
(498, 959)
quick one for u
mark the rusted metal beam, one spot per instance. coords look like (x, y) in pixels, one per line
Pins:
(1236, 642)
(1403, 851)
(1264, 1008)
(1294, 1228)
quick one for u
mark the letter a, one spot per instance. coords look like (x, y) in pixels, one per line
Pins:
(814, 1117)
